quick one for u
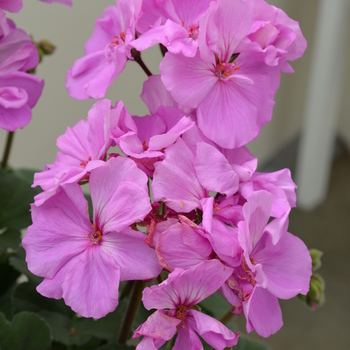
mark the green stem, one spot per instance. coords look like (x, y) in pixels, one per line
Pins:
(131, 310)
(7, 149)
(227, 317)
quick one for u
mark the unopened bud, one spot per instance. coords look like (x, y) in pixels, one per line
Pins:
(46, 47)
(316, 256)
(316, 296)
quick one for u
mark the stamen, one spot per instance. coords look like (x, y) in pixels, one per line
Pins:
(144, 145)
(84, 163)
(96, 237)
(181, 312)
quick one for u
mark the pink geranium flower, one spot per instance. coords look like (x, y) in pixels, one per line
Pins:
(82, 148)
(106, 52)
(226, 81)
(276, 263)
(176, 25)
(83, 262)
(279, 37)
(174, 300)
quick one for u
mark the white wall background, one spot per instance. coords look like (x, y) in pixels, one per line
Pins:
(69, 28)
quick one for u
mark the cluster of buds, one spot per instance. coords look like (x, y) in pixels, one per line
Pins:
(183, 172)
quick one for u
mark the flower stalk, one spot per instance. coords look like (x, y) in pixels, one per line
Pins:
(130, 313)
(7, 149)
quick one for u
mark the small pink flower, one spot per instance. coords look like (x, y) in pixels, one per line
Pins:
(83, 262)
(175, 25)
(106, 51)
(174, 300)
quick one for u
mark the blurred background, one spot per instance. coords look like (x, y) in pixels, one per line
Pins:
(326, 225)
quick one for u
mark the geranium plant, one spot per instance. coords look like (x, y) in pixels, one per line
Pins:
(179, 232)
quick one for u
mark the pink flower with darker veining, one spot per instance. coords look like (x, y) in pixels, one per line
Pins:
(227, 81)
(19, 91)
(276, 264)
(106, 52)
(174, 24)
(82, 148)
(83, 262)
(174, 300)
(279, 37)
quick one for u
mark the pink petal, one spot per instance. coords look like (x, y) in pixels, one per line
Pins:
(212, 331)
(175, 181)
(14, 118)
(158, 326)
(148, 343)
(159, 142)
(263, 313)
(213, 170)
(257, 213)
(11, 5)
(182, 246)
(91, 75)
(242, 162)
(287, 266)
(58, 233)
(232, 112)
(120, 177)
(137, 261)
(154, 94)
(104, 30)
(187, 339)
(187, 287)
(189, 80)
(91, 286)
(23, 81)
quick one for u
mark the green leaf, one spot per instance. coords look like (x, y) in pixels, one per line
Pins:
(246, 343)
(104, 328)
(26, 298)
(216, 305)
(15, 198)
(116, 347)
(11, 238)
(21, 266)
(8, 274)
(26, 174)
(27, 331)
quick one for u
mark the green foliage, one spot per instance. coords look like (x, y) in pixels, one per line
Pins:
(18, 334)
(246, 343)
(15, 198)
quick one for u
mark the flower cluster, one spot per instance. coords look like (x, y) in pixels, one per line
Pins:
(183, 172)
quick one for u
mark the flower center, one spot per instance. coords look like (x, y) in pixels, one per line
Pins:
(96, 236)
(84, 163)
(115, 42)
(144, 145)
(193, 31)
(181, 312)
(116, 39)
(225, 70)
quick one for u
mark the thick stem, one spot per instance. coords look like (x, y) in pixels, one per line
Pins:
(163, 49)
(137, 57)
(7, 149)
(227, 317)
(131, 310)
